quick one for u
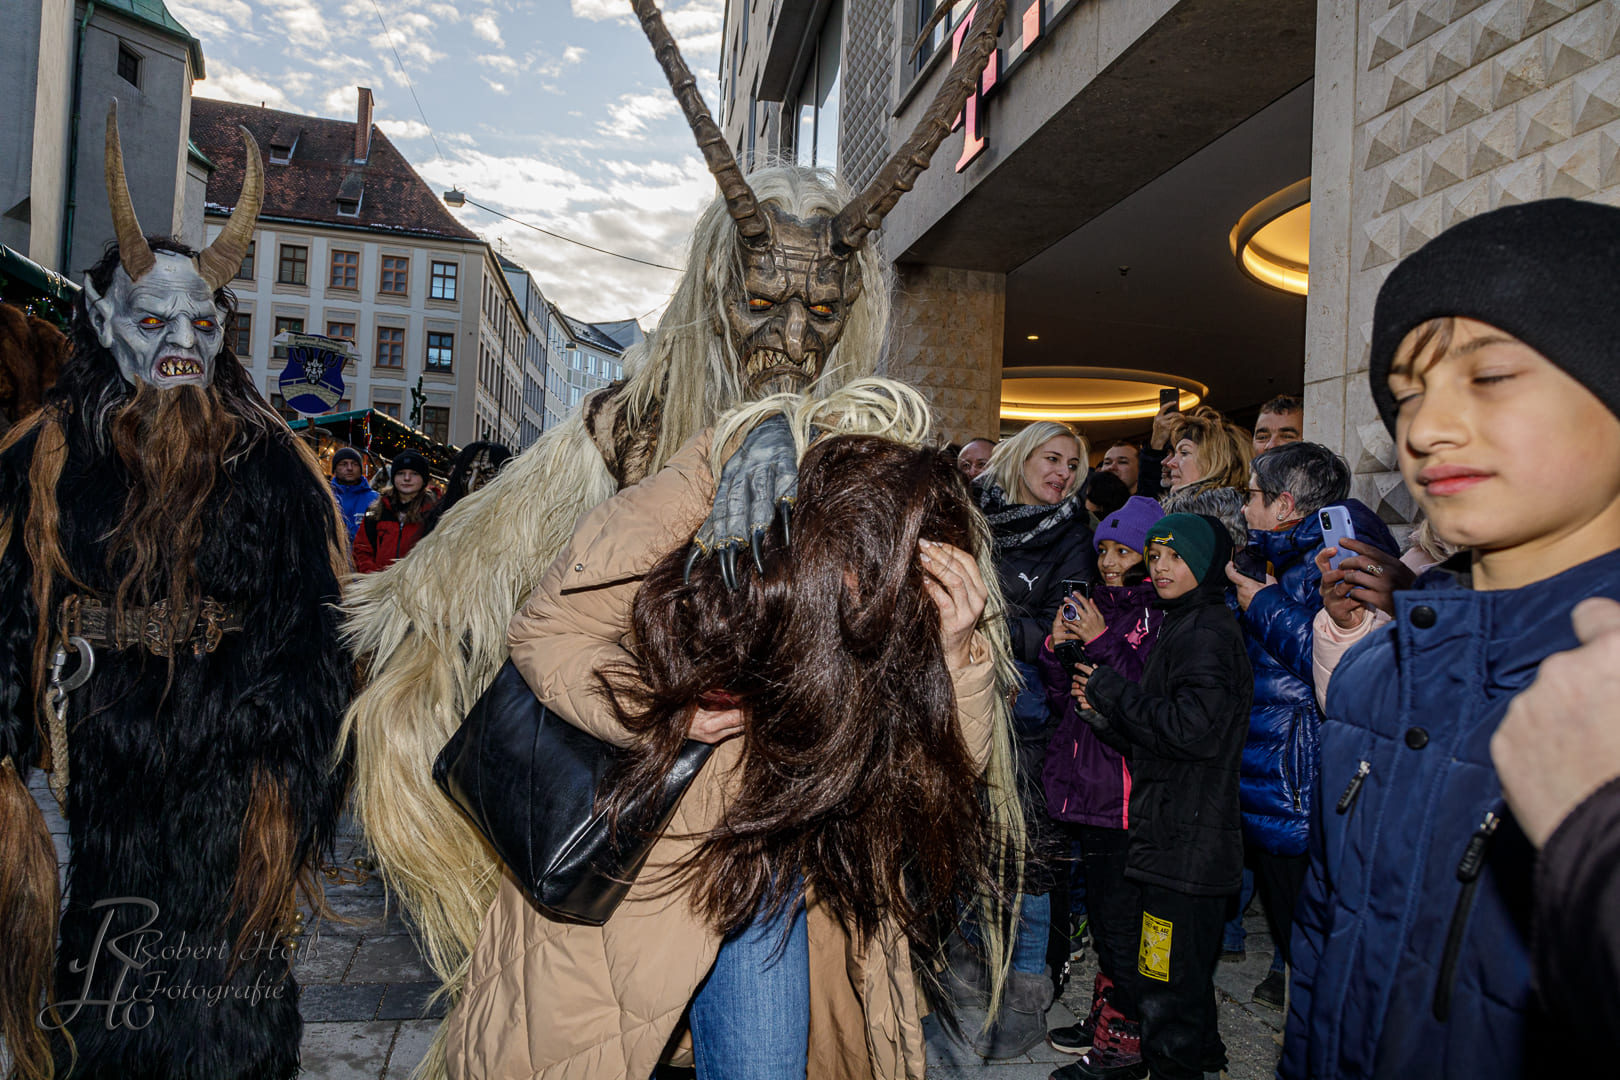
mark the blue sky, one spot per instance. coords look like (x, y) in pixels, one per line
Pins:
(552, 111)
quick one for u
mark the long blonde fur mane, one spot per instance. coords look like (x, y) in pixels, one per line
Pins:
(431, 628)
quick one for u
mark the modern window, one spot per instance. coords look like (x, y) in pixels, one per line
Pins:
(283, 324)
(815, 139)
(396, 270)
(387, 408)
(443, 286)
(345, 270)
(941, 33)
(294, 265)
(440, 351)
(390, 346)
(129, 65)
(436, 422)
(243, 345)
(245, 271)
(344, 330)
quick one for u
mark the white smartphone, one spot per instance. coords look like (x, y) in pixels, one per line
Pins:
(1336, 529)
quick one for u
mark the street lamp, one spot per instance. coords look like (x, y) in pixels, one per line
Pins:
(455, 197)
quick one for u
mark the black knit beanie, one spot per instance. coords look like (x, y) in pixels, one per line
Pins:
(409, 459)
(1547, 272)
(347, 453)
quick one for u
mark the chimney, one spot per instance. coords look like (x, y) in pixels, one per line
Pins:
(362, 126)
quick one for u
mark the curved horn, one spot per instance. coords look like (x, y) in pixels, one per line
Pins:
(899, 174)
(740, 200)
(133, 250)
(219, 263)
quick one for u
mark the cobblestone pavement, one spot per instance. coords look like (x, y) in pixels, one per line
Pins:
(369, 1011)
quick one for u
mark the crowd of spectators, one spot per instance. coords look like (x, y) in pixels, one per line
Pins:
(1238, 680)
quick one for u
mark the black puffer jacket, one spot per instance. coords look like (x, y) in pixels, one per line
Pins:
(1186, 723)
(1033, 562)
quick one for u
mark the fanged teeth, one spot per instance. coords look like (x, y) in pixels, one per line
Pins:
(174, 368)
(761, 360)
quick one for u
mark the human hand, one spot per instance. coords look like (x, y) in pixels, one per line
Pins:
(1088, 627)
(1368, 580)
(1082, 679)
(1162, 423)
(714, 725)
(1246, 587)
(957, 588)
(1559, 742)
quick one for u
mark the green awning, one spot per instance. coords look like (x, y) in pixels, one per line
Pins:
(16, 265)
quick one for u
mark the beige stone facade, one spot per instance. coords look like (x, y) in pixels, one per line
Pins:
(1428, 112)
(945, 339)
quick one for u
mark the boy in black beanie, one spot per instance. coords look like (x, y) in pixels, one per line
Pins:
(1496, 367)
(1184, 727)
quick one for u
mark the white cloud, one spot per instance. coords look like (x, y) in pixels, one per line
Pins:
(485, 26)
(218, 19)
(230, 84)
(628, 118)
(404, 129)
(597, 10)
(573, 54)
(504, 64)
(498, 87)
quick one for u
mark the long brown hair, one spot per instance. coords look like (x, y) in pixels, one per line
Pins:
(855, 776)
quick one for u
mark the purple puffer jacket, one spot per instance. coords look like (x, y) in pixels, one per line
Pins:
(1088, 782)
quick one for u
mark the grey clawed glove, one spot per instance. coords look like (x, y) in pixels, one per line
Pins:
(758, 481)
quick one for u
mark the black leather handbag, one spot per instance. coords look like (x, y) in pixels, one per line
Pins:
(528, 779)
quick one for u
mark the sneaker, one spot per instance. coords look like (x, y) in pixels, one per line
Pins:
(1080, 938)
(1020, 1023)
(1271, 990)
(1117, 1054)
(1077, 1038)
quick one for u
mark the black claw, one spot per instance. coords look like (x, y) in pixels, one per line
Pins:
(756, 544)
(728, 566)
(784, 509)
(691, 560)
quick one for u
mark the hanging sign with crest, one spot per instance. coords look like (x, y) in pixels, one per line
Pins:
(313, 381)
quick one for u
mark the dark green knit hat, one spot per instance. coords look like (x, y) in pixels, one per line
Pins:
(1190, 536)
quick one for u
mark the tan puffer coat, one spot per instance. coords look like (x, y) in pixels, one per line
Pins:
(557, 1001)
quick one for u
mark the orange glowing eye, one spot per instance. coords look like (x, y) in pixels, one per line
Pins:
(203, 324)
(822, 309)
(756, 303)
(151, 320)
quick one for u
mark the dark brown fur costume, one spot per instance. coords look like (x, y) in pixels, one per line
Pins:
(202, 785)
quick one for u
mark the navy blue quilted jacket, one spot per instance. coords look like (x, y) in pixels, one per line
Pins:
(1407, 963)
(1280, 756)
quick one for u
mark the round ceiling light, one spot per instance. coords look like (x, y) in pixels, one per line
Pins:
(1089, 393)
(1272, 242)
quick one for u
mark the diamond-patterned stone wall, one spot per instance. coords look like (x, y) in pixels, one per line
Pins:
(863, 123)
(1458, 107)
(945, 339)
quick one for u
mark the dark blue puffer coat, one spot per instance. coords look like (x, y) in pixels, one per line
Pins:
(1402, 967)
(1280, 757)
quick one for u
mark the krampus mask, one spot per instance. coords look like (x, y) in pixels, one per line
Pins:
(159, 318)
(797, 284)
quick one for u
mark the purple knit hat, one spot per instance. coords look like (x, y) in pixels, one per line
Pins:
(1129, 524)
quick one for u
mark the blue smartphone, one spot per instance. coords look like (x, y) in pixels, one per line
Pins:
(1336, 529)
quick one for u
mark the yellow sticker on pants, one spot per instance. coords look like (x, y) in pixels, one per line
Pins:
(1154, 959)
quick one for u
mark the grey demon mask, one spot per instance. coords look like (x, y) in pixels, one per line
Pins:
(798, 281)
(158, 317)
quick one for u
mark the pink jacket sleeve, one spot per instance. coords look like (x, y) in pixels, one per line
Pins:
(1331, 643)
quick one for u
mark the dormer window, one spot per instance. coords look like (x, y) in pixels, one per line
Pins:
(351, 194)
(283, 143)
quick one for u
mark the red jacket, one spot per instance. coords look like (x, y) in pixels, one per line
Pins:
(382, 538)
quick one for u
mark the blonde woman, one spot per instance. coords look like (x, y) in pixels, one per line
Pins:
(1030, 494)
(1207, 449)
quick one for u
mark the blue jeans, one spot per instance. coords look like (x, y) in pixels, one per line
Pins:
(751, 1017)
(1034, 924)
(1235, 936)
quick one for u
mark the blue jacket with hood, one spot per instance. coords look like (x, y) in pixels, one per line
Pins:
(1411, 939)
(353, 500)
(1280, 756)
